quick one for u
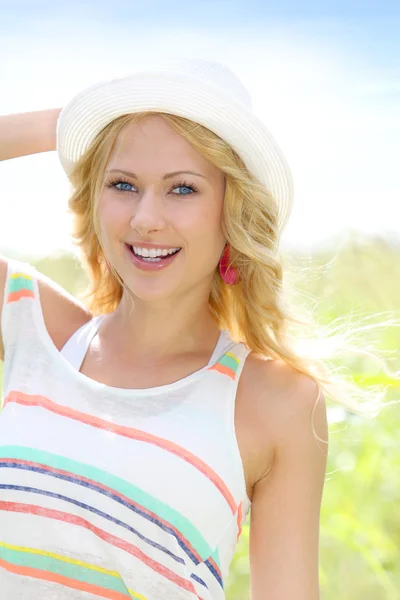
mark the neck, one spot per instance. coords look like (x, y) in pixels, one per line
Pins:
(162, 330)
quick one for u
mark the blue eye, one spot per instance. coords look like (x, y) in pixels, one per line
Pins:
(125, 186)
(185, 189)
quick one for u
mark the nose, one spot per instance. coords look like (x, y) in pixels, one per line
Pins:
(149, 213)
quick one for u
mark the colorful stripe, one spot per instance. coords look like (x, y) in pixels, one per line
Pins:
(20, 286)
(150, 508)
(129, 432)
(99, 513)
(216, 570)
(65, 570)
(227, 365)
(213, 567)
(64, 517)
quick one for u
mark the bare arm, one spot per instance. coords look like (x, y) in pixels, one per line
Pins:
(20, 135)
(285, 513)
(28, 133)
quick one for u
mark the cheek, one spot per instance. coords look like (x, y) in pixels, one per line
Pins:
(210, 221)
(111, 215)
(202, 227)
(102, 210)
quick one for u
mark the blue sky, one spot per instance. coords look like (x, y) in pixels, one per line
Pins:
(324, 76)
(263, 8)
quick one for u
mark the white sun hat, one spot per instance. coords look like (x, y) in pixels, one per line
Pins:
(203, 91)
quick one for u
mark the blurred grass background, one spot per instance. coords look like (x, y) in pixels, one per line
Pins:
(360, 517)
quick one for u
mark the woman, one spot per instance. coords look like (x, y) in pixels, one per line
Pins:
(137, 429)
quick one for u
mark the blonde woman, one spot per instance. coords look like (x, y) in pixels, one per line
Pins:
(139, 428)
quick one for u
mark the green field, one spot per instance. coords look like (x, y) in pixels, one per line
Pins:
(360, 520)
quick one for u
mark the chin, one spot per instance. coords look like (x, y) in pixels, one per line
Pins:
(151, 291)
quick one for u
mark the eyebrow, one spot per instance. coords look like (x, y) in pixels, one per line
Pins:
(166, 176)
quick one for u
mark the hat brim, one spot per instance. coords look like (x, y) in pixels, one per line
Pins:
(91, 110)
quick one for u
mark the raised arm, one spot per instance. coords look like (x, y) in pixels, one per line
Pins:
(28, 133)
(20, 135)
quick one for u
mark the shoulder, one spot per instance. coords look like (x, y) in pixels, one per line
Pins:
(63, 313)
(284, 404)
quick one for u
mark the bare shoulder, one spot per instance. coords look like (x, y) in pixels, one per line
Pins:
(284, 404)
(63, 313)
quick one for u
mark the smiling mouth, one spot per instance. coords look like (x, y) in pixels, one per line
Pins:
(153, 255)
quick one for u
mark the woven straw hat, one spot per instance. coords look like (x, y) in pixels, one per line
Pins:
(204, 91)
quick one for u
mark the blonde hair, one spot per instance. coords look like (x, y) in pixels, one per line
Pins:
(259, 311)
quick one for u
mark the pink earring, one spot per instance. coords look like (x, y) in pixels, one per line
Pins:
(228, 273)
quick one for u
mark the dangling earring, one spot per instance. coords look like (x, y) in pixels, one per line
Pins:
(228, 273)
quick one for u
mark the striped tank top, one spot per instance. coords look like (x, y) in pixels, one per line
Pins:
(108, 492)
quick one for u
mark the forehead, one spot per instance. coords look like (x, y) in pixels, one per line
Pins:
(153, 140)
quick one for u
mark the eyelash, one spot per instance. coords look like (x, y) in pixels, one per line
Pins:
(114, 182)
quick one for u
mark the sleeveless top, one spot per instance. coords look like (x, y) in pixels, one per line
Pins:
(108, 492)
(74, 351)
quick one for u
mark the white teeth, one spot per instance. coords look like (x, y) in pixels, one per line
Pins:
(153, 252)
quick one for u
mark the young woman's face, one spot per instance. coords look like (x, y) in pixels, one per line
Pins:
(161, 196)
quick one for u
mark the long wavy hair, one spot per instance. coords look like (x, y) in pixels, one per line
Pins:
(262, 310)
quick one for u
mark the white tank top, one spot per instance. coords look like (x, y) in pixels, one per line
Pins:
(108, 492)
(75, 349)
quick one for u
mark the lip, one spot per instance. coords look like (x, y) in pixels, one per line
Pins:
(150, 266)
